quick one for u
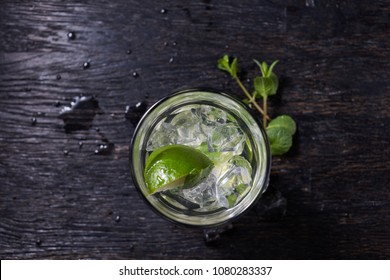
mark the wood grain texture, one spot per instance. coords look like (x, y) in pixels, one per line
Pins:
(59, 200)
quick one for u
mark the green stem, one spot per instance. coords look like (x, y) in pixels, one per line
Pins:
(252, 99)
(265, 111)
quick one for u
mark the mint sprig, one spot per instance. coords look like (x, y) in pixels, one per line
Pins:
(280, 130)
(225, 65)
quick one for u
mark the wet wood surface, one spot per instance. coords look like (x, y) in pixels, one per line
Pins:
(61, 198)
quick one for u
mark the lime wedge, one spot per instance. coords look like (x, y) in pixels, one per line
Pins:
(175, 166)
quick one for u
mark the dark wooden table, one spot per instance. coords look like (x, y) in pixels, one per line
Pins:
(62, 197)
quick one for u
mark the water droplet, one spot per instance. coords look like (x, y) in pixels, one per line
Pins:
(129, 51)
(135, 112)
(81, 144)
(105, 149)
(135, 74)
(165, 43)
(58, 77)
(211, 236)
(163, 11)
(174, 43)
(38, 242)
(86, 65)
(33, 121)
(66, 152)
(97, 129)
(80, 114)
(117, 218)
(171, 60)
(71, 35)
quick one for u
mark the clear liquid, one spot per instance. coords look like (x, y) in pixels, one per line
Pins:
(220, 136)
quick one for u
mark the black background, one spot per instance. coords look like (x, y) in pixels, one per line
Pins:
(60, 200)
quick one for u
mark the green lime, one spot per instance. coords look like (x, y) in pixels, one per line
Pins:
(175, 166)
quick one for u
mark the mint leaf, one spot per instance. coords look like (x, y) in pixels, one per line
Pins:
(280, 131)
(272, 67)
(241, 188)
(233, 67)
(231, 199)
(275, 82)
(265, 86)
(263, 67)
(280, 140)
(268, 83)
(246, 101)
(266, 70)
(225, 65)
(285, 122)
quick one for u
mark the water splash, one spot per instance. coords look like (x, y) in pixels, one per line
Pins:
(80, 114)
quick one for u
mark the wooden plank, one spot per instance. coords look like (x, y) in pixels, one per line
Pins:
(60, 200)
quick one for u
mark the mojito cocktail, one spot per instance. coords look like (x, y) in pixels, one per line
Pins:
(199, 157)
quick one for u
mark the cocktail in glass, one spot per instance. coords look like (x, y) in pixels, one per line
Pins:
(227, 132)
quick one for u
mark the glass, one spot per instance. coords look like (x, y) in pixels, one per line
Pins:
(230, 128)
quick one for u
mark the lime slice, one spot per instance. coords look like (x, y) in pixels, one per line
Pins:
(175, 166)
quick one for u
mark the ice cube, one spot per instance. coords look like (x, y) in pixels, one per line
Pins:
(164, 134)
(187, 126)
(210, 114)
(235, 182)
(210, 118)
(239, 161)
(227, 137)
(202, 194)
